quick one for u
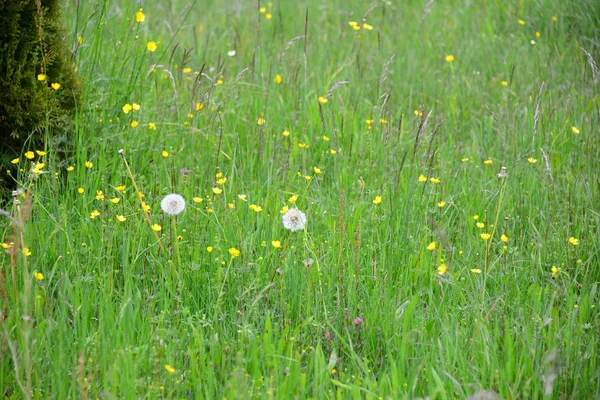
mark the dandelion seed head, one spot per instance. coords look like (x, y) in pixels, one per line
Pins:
(294, 220)
(172, 204)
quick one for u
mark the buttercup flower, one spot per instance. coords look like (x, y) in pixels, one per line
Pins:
(172, 204)
(294, 220)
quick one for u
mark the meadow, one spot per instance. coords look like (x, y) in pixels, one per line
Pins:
(446, 158)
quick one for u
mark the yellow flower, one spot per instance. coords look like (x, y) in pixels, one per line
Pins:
(418, 113)
(485, 236)
(136, 107)
(367, 26)
(432, 246)
(55, 86)
(268, 15)
(152, 126)
(242, 197)
(322, 99)
(476, 270)
(262, 10)
(156, 228)
(139, 16)
(5, 246)
(41, 77)
(332, 151)
(422, 178)
(209, 249)
(30, 155)
(255, 208)
(488, 161)
(480, 225)
(115, 200)
(442, 269)
(573, 241)
(234, 252)
(80, 190)
(38, 276)
(554, 18)
(284, 209)
(71, 168)
(377, 200)
(532, 160)
(555, 271)
(221, 181)
(120, 188)
(26, 252)
(151, 46)
(217, 190)
(475, 217)
(278, 79)
(127, 108)
(286, 133)
(261, 121)
(449, 58)
(230, 205)
(317, 170)
(99, 195)
(89, 164)
(134, 123)
(121, 218)
(169, 369)
(537, 34)
(441, 204)
(434, 180)
(197, 200)
(15, 161)
(303, 145)
(504, 83)
(521, 22)
(164, 154)
(504, 238)
(276, 243)
(94, 214)
(145, 207)
(575, 130)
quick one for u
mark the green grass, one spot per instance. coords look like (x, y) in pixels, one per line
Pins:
(115, 307)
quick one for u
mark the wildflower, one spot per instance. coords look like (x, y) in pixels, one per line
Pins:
(242, 197)
(261, 121)
(532, 160)
(485, 236)
(488, 161)
(99, 195)
(278, 79)
(284, 209)
(480, 225)
(80, 190)
(476, 270)
(262, 10)
(521, 22)
(317, 170)
(325, 138)
(38, 276)
(308, 263)
(231, 53)
(449, 58)
(294, 220)
(172, 204)
(276, 243)
(322, 99)
(285, 133)
(575, 130)
(209, 249)
(94, 214)
(255, 208)
(5, 246)
(432, 246)
(169, 369)
(134, 123)
(555, 271)
(504, 238)
(41, 77)
(197, 200)
(368, 27)
(70, 168)
(136, 107)
(502, 173)
(358, 321)
(120, 188)
(221, 181)
(151, 46)
(15, 161)
(573, 241)
(442, 269)
(377, 200)
(127, 108)
(55, 86)
(164, 154)
(26, 252)
(532, 42)
(293, 199)
(475, 217)
(199, 106)
(234, 252)
(434, 180)
(156, 228)
(537, 34)
(303, 145)
(217, 190)
(422, 178)
(504, 83)
(89, 164)
(145, 207)
(29, 155)
(441, 204)
(554, 18)
(121, 218)
(140, 16)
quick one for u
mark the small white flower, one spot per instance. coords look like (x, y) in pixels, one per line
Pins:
(294, 220)
(172, 204)
(502, 173)
(231, 53)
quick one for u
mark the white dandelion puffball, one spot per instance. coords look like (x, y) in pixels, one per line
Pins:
(294, 220)
(172, 204)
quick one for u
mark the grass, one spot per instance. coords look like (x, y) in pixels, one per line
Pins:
(355, 305)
